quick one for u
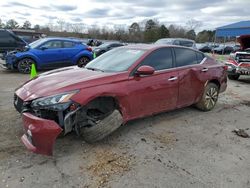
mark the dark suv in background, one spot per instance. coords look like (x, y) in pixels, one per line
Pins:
(9, 41)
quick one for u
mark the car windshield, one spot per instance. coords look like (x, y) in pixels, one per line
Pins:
(164, 41)
(37, 43)
(116, 60)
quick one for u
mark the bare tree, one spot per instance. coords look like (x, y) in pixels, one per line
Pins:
(193, 24)
(61, 24)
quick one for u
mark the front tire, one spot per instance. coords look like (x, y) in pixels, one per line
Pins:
(83, 61)
(24, 65)
(209, 97)
(102, 128)
(233, 77)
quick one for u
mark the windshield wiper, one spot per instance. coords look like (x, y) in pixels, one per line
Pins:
(94, 69)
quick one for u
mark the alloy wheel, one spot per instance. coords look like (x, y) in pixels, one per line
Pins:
(82, 61)
(211, 98)
(24, 66)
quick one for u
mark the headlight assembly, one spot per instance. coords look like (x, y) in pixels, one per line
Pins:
(55, 102)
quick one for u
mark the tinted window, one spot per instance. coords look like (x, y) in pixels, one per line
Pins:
(186, 43)
(185, 57)
(176, 42)
(5, 37)
(117, 45)
(200, 57)
(52, 44)
(68, 44)
(159, 59)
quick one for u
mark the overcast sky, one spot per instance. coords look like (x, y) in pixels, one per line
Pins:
(213, 13)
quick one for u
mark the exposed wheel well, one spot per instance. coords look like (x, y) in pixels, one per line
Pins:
(105, 104)
(215, 82)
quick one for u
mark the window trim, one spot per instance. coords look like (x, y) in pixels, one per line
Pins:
(63, 46)
(52, 41)
(132, 73)
(187, 48)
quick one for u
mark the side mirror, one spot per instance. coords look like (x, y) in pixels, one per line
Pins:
(43, 48)
(145, 70)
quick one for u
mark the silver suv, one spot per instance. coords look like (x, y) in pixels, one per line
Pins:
(177, 41)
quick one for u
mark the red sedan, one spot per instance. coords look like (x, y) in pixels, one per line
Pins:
(123, 84)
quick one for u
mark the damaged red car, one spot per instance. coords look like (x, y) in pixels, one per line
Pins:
(121, 85)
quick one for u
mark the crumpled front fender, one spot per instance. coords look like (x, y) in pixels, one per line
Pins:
(40, 134)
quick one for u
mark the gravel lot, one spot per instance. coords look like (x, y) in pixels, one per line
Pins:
(182, 148)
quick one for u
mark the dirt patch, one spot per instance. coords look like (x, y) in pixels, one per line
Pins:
(10, 151)
(164, 137)
(106, 165)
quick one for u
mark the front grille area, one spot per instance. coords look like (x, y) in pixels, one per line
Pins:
(18, 103)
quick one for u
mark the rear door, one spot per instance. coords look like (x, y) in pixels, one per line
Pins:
(69, 50)
(192, 75)
(50, 54)
(154, 93)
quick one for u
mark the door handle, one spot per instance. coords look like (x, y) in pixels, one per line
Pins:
(204, 70)
(172, 78)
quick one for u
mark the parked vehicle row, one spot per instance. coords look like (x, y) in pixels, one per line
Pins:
(125, 83)
(217, 48)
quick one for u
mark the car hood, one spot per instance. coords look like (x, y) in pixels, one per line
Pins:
(244, 41)
(64, 80)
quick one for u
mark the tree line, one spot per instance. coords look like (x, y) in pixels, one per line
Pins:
(147, 31)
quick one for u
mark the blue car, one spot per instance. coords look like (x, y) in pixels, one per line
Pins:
(50, 53)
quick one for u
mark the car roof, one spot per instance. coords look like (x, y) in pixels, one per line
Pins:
(183, 39)
(63, 39)
(152, 46)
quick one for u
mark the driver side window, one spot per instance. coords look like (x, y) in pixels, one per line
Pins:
(159, 59)
(52, 44)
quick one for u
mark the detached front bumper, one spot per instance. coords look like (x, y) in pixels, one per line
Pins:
(40, 134)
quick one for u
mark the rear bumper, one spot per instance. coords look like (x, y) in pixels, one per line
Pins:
(40, 134)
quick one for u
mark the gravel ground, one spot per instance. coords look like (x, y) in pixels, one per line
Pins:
(182, 148)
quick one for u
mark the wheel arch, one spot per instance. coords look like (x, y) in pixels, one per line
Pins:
(24, 57)
(215, 81)
(81, 54)
(105, 100)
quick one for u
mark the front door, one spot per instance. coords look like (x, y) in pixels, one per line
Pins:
(154, 93)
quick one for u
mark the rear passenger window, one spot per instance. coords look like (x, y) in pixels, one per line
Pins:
(186, 43)
(185, 57)
(67, 44)
(200, 56)
(159, 59)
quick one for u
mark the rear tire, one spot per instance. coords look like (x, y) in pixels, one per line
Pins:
(209, 97)
(24, 65)
(233, 77)
(83, 61)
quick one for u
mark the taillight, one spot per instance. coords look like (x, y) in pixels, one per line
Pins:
(89, 49)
